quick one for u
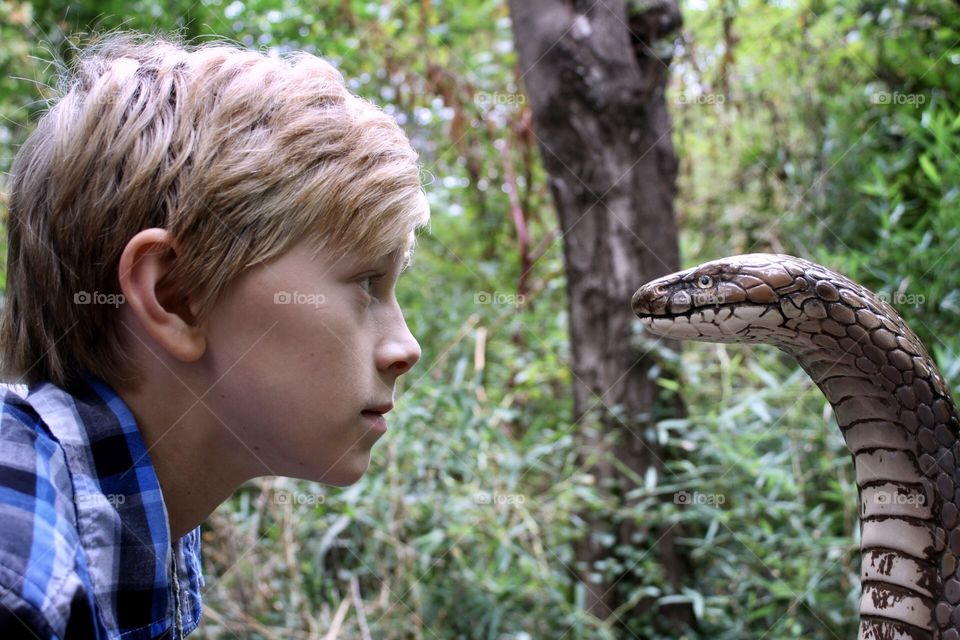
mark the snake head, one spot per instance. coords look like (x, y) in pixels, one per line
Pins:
(735, 299)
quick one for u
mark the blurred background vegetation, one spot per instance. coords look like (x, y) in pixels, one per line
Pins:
(826, 129)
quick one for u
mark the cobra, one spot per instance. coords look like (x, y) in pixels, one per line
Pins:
(890, 401)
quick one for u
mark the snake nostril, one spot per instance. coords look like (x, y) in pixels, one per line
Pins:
(660, 290)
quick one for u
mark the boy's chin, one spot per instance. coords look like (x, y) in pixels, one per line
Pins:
(347, 471)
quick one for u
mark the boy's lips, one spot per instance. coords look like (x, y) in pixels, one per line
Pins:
(375, 418)
(380, 409)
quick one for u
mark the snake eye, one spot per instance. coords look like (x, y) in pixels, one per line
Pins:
(704, 281)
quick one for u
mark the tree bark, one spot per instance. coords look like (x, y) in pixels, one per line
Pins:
(595, 75)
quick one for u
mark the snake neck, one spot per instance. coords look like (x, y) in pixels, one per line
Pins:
(900, 425)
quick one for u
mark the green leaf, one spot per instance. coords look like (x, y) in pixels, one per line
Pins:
(930, 170)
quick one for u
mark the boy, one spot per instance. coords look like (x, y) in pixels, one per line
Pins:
(203, 249)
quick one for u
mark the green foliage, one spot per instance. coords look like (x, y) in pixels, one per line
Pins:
(767, 498)
(894, 210)
(838, 126)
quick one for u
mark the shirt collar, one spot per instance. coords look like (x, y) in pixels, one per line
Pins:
(121, 517)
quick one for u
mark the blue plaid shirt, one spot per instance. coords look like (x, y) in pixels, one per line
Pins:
(85, 547)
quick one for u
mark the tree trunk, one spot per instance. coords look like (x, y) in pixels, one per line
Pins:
(595, 74)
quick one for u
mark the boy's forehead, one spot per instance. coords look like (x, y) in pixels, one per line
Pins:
(349, 257)
(401, 253)
(400, 257)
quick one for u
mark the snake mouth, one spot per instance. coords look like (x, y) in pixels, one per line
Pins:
(717, 322)
(649, 318)
(682, 306)
(646, 315)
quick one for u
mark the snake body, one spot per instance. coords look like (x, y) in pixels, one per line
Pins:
(890, 401)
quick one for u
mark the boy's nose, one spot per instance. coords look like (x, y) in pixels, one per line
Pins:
(400, 351)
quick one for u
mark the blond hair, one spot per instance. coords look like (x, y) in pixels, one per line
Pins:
(236, 153)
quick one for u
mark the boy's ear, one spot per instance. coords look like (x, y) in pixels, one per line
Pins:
(162, 311)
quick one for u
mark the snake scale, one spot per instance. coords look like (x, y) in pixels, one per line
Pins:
(890, 401)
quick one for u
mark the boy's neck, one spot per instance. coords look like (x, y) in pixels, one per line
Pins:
(189, 450)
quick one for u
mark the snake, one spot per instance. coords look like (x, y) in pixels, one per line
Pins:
(890, 402)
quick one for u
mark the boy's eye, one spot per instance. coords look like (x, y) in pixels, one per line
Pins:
(367, 283)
